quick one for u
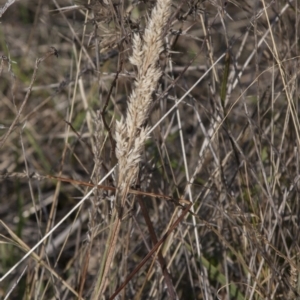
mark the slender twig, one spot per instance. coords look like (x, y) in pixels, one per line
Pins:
(37, 63)
(153, 250)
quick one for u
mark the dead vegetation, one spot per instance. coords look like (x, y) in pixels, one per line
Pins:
(149, 149)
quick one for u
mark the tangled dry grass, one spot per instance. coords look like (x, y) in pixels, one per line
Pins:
(149, 149)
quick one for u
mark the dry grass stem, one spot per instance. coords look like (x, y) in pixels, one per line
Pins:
(149, 149)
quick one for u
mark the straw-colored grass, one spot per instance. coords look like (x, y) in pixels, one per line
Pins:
(149, 149)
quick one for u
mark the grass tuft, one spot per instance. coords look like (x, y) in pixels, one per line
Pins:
(149, 149)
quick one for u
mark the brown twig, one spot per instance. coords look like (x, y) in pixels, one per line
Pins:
(157, 245)
(37, 63)
(162, 262)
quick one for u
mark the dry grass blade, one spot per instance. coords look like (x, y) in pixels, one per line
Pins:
(162, 261)
(37, 63)
(153, 250)
(140, 113)
(38, 259)
(6, 6)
